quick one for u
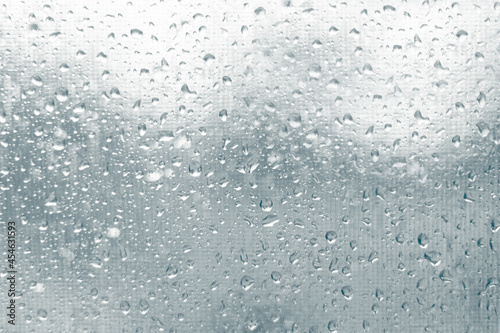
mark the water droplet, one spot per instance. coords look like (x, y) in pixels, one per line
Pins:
(333, 31)
(484, 129)
(389, 9)
(223, 114)
(295, 120)
(332, 326)
(331, 236)
(62, 94)
(142, 129)
(124, 307)
(266, 204)
(317, 44)
(481, 99)
(347, 292)
(195, 169)
(270, 220)
(276, 277)
(172, 271)
(461, 35)
(315, 71)
(185, 89)
(64, 68)
(42, 314)
(209, 59)
(115, 93)
(434, 257)
(227, 81)
(37, 81)
(143, 306)
(423, 240)
(163, 118)
(136, 33)
(260, 12)
(247, 282)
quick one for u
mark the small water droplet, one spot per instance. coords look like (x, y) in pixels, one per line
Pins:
(247, 282)
(136, 33)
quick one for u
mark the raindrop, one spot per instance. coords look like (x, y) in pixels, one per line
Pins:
(124, 307)
(247, 282)
(347, 292)
(136, 33)
(260, 12)
(266, 204)
(195, 169)
(331, 236)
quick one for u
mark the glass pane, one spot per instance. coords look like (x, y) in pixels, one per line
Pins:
(234, 166)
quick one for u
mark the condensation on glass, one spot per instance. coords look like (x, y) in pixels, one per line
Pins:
(232, 166)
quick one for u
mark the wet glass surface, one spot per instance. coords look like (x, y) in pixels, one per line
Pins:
(232, 166)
